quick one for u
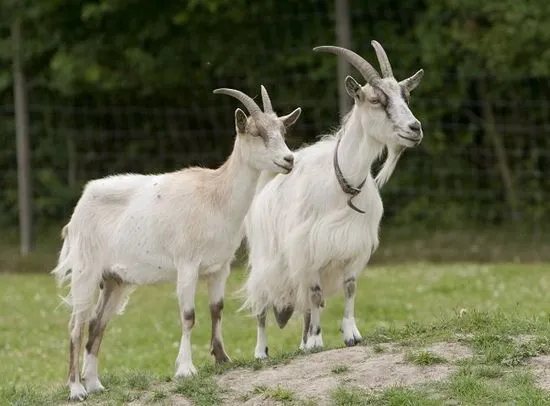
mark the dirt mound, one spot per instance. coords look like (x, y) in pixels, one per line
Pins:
(541, 370)
(315, 376)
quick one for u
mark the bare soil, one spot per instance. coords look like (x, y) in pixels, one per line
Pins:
(315, 376)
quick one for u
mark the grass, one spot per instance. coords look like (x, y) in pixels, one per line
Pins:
(394, 396)
(424, 358)
(487, 305)
(393, 303)
(340, 369)
(277, 393)
(201, 389)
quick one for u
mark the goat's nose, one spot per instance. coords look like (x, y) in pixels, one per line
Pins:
(415, 126)
(289, 159)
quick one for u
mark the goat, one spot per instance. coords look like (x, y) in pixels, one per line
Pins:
(129, 230)
(303, 248)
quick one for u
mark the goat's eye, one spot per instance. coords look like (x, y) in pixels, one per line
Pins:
(374, 100)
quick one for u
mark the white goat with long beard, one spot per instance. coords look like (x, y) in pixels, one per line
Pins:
(316, 240)
(130, 230)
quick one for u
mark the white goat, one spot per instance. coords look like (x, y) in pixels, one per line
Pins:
(304, 247)
(130, 230)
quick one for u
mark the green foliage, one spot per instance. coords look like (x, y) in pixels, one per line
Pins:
(97, 54)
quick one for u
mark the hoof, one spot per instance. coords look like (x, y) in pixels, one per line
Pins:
(186, 370)
(352, 342)
(78, 393)
(314, 342)
(222, 359)
(94, 386)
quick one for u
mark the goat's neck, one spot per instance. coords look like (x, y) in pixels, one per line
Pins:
(237, 183)
(357, 150)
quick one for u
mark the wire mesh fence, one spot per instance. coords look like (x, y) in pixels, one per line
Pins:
(483, 164)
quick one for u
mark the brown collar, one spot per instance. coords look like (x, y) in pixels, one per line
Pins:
(344, 184)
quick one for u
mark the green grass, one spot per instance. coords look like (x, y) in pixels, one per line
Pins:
(415, 304)
(201, 389)
(277, 393)
(340, 369)
(424, 358)
(393, 396)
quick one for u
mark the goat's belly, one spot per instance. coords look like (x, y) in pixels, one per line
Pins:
(142, 274)
(142, 267)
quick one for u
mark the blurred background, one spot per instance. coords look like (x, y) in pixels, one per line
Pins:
(94, 88)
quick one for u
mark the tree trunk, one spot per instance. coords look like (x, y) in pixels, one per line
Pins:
(23, 144)
(499, 150)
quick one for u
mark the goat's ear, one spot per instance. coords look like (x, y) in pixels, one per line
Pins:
(240, 121)
(353, 88)
(411, 83)
(291, 118)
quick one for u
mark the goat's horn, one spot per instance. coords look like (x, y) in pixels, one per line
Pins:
(250, 104)
(369, 73)
(266, 101)
(385, 66)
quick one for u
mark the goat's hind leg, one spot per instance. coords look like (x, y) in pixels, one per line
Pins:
(112, 293)
(76, 328)
(216, 289)
(83, 288)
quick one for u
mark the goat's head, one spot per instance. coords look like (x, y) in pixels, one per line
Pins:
(383, 102)
(261, 135)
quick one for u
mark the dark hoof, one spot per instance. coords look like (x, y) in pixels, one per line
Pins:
(222, 359)
(219, 353)
(267, 351)
(351, 342)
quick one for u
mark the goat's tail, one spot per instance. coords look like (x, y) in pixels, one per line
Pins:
(79, 266)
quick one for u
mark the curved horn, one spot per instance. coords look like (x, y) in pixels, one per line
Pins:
(266, 101)
(250, 104)
(369, 73)
(385, 66)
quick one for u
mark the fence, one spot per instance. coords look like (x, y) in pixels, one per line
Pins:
(483, 164)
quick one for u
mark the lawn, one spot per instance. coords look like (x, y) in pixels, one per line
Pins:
(33, 344)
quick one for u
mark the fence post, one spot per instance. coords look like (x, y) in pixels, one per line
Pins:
(343, 39)
(22, 141)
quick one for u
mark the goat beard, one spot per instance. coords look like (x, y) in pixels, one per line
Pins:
(394, 153)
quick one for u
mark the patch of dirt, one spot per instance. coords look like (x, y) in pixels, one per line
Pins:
(541, 370)
(312, 378)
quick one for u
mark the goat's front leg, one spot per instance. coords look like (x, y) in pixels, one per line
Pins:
(186, 287)
(317, 302)
(216, 289)
(349, 327)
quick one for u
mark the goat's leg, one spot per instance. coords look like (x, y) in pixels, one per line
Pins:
(186, 287)
(83, 288)
(307, 322)
(216, 289)
(113, 291)
(317, 302)
(349, 327)
(76, 328)
(261, 351)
